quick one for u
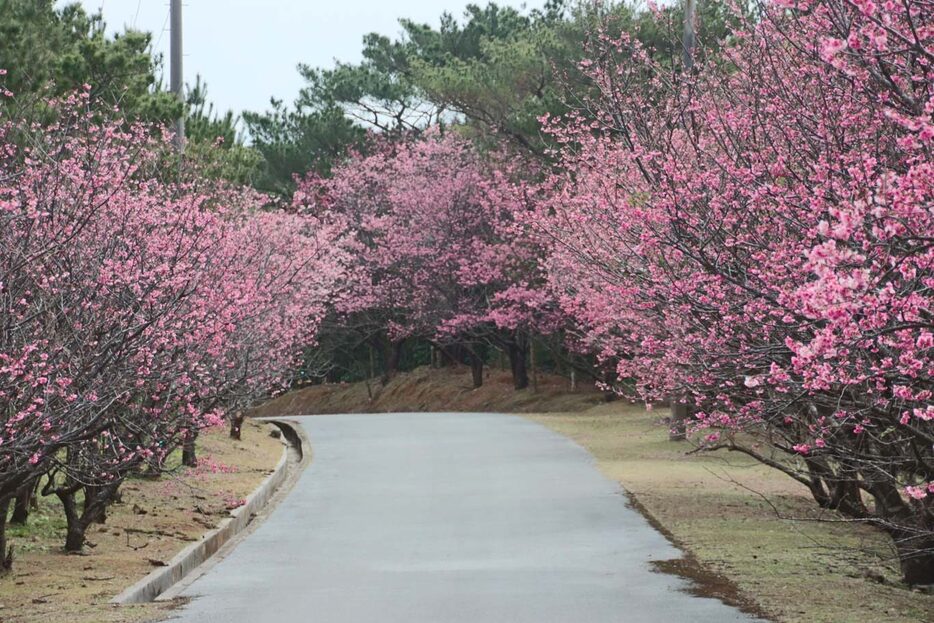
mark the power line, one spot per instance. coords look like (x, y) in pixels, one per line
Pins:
(165, 24)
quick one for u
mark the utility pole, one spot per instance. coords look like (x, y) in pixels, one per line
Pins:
(690, 37)
(177, 81)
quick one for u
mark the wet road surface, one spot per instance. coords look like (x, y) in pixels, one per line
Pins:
(448, 518)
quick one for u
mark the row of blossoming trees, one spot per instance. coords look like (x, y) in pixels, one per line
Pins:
(137, 306)
(752, 238)
(437, 251)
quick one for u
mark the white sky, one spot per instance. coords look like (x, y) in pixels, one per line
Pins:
(247, 50)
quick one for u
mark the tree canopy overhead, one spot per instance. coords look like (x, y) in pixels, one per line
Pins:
(495, 71)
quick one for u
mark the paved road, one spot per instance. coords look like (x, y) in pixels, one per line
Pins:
(447, 518)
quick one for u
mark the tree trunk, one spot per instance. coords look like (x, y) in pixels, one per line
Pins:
(609, 377)
(835, 489)
(6, 552)
(681, 412)
(75, 530)
(392, 361)
(189, 450)
(909, 529)
(476, 369)
(74, 536)
(518, 352)
(446, 358)
(22, 502)
(915, 556)
(236, 425)
(96, 500)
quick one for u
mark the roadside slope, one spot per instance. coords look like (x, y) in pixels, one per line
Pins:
(425, 389)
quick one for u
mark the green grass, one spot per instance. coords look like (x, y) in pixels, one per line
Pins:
(45, 524)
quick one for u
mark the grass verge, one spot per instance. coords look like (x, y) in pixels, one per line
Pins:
(752, 535)
(154, 521)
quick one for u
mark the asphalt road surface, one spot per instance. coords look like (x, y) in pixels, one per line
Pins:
(448, 518)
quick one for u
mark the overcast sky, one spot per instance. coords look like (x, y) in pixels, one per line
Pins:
(247, 50)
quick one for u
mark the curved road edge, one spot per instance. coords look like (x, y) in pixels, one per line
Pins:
(168, 582)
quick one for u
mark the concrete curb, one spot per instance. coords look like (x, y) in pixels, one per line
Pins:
(195, 554)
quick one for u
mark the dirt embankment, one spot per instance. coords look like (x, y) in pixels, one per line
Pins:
(425, 389)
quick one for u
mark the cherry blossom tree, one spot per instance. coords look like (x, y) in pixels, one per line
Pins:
(135, 310)
(754, 236)
(440, 254)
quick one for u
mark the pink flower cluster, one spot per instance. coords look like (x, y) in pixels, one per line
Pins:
(135, 310)
(438, 250)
